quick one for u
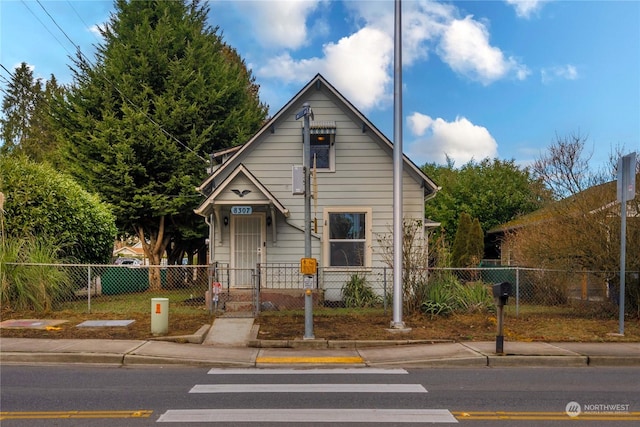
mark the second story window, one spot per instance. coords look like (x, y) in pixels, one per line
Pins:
(321, 149)
(322, 141)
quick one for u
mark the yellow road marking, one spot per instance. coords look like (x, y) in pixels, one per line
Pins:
(31, 415)
(544, 416)
(350, 359)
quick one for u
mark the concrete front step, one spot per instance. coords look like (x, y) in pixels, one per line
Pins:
(233, 306)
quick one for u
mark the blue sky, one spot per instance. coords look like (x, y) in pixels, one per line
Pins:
(480, 78)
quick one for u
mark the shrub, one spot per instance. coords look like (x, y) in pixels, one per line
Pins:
(475, 297)
(29, 280)
(440, 298)
(357, 293)
(42, 201)
(447, 295)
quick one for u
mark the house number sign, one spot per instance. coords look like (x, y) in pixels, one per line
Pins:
(241, 210)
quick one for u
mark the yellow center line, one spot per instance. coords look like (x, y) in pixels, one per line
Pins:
(544, 416)
(287, 359)
(27, 415)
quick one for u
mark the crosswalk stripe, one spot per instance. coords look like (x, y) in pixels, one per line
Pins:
(308, 388)
(304, 371)
(369, 416)
(273, 360)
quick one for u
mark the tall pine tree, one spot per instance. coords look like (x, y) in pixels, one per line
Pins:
(163, 91)
(26, 127)
(459, 251)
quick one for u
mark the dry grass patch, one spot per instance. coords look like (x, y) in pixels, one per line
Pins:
(344, 324)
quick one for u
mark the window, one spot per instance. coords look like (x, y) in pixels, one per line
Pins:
(321, 149)
(322, 143)
(348, 237)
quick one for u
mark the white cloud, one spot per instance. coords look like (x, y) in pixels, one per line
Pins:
(460, 140)
(358, 65)
(465, 47)
(279, 24)
(565, 72)
(526, 8)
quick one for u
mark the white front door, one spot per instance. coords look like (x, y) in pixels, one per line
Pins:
(248, 246)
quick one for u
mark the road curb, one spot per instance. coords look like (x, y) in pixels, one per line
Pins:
(133, 359)
(93, 358)
(337, 344)
(460, 362)
(537, 361)
(613, 361)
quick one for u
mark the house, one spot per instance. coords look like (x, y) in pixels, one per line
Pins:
(134, 252)
(256, 210)
(597, 203)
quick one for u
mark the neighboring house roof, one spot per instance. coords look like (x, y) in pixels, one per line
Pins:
(547, 213)
(130, 251)
(220, 174)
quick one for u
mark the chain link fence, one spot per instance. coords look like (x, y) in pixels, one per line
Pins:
(118, 288)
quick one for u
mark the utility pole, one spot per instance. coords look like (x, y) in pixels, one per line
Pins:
(626, 191)
(308, 265)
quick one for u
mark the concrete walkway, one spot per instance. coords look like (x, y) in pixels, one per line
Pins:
(233, 332)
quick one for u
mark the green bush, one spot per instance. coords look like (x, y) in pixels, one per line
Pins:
(40, 201)
(440, 300)
(357, 293)
(446, 295)
(475, 298)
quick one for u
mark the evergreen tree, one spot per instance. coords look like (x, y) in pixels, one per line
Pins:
(475, 245)
(26, 123)
(163, 92)
(18, 107)
(459, 251)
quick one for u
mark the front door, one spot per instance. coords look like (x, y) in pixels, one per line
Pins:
(248, 246)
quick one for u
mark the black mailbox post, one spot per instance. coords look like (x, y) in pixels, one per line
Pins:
(501, 292)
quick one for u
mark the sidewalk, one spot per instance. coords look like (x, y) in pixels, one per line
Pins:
(346, 354)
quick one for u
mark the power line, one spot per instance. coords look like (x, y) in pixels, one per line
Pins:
(45, 27)
(135, 107)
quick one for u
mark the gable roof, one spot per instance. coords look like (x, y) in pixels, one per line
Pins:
(430, 187)
(261, 195)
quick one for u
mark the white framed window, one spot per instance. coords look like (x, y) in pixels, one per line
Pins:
(322, 143)
(322, 148)
(347, 237)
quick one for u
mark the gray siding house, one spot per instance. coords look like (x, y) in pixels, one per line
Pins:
(256, 216)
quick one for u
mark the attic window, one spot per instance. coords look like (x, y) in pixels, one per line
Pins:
(322, 139)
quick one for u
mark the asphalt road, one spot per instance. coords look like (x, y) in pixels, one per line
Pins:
(85, 395)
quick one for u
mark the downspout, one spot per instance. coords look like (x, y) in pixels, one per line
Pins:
(207, 220)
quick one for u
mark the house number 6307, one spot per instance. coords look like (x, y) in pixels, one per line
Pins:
(241, 210)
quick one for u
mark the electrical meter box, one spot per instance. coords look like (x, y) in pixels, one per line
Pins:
(297, 180)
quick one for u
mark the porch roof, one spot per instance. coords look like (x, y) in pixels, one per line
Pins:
(220, 196)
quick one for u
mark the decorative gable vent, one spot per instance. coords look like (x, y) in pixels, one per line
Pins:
(327, 127)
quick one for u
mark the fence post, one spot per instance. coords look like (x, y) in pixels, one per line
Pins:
(88, 288)
(256, 290)
(517, 290)
(384, 284)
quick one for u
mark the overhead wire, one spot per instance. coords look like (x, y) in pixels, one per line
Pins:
(126, 98)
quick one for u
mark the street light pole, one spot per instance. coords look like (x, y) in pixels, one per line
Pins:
(397, 322)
